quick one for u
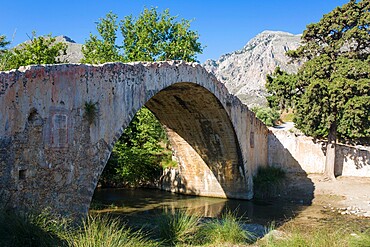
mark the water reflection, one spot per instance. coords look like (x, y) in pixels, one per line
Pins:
(141, 202)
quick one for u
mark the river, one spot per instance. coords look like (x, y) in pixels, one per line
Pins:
(144, 203)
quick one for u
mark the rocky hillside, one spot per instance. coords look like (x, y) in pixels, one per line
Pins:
(244, 71)
(74, 50)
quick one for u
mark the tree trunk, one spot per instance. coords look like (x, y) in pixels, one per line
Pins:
(330, 152)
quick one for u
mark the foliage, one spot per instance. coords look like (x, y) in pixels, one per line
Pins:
(152, 36)
(103, 50)
(134, 165)
(138, 153)
(267, 115)
(3, 43)
(330, 93)
(228, 230)
(177, 228)
(282, 86)
(91, 111)
(40, 50)
(107, 232)
(333, 85)
(4, 54)
(268, 181)
(157, 36)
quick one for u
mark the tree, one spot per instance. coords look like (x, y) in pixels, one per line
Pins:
(3, 43)
(3, 51)
(156, 37)
(267, 115)
(330, 93)
(282, 87)
(136, 156)
(97, 51)
(40, 50)
(152, 36)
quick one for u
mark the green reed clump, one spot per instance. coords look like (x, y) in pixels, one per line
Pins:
(27, 229)
(268, 181)
(104, 231)
(177, 228)
(227, 230)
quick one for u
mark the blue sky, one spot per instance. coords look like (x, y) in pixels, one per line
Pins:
(224, 25)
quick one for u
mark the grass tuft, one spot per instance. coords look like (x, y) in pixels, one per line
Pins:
(26, 229)
(177, 228)
(228, 230)
(104, 231)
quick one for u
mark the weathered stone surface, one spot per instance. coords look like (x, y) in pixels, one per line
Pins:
(51, 156)
(299, 153)
(244, 71)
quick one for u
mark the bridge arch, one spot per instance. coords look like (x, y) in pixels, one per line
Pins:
(52, 156)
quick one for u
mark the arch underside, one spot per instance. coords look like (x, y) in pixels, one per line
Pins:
(204, 141)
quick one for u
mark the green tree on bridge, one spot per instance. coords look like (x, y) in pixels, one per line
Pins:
(330, 94)
(152, 36)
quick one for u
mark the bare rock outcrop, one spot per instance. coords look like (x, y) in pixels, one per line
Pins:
(244, 71)
(74, 50)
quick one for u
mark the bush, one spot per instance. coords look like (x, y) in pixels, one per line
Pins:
(267, 115)
(268, 181)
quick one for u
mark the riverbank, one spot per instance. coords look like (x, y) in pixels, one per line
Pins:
(319, 224)
(345, 195)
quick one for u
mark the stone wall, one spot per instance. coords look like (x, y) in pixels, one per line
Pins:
(298, 153)
(52, 156)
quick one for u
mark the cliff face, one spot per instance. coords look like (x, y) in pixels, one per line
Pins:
(244, 71)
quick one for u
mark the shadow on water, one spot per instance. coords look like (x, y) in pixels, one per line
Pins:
(145, 204)
(140, 206)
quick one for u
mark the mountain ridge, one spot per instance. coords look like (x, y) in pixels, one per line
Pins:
(244, 71)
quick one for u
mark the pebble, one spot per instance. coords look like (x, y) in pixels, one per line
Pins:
(351, 210)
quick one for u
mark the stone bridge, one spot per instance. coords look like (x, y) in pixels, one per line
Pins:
(53, 150)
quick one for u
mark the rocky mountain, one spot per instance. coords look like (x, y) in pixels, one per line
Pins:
(244, 71)
(74, 50)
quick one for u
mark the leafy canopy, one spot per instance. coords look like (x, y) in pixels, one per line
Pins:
(267, 115)
(152, 36)
(39, 50)
(331, 90)
(138, 153)
(3, 43)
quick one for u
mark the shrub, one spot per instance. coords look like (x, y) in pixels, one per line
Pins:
(267, 115)
(268, 181)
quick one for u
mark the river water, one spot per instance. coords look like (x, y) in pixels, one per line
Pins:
(144, 203)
